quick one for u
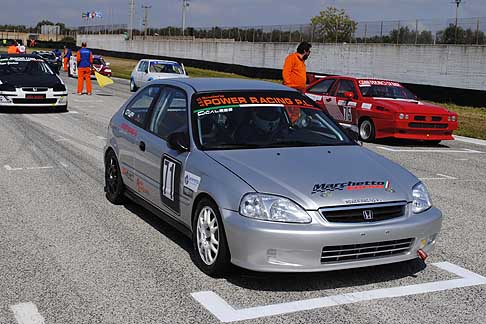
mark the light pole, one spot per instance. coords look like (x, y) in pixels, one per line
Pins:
(185, 5)
(458, 2)
(131, 15)
(145, 19)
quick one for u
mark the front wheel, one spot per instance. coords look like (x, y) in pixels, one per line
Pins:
(133, 87)
(211, 250)
(114, 186)
(367, 130)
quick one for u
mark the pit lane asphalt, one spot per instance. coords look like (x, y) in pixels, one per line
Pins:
(80, 259)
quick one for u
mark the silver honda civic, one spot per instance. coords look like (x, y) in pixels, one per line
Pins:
(260, 177)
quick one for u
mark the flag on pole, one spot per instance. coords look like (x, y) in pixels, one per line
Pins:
(103, 81)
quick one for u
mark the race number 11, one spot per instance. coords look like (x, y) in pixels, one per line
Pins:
(168, 184)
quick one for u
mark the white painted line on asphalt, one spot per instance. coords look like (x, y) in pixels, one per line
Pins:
(465, 151)
(73, 112)
(446, 176)
(63, 164)
(226, 313)
(101, 138)
(9, 168)
(470, 140)
(27, 313)
(62, 139)
(461, 159)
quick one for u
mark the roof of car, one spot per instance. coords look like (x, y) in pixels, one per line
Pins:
(19, 55)
(228, 84)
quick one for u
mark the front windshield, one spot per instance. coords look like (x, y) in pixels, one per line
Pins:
(24, 65)
(232, 120)
(384, 89)
(98, 61)
(164, 67)
(48, 56)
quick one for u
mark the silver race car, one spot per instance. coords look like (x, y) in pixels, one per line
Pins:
(259, 176)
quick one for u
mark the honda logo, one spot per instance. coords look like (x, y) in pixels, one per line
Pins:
(368, 214)
(34, 89)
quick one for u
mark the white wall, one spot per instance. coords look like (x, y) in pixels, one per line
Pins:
(438, 65)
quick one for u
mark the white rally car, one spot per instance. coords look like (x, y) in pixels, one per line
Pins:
(148, 70)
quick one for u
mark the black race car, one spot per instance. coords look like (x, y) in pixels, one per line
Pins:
(27, 80)
(50, 58)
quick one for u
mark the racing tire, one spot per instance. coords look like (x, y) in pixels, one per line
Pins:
(114, 186)
(211, 252)
(62, 108)
(133, 87)
(367, 130)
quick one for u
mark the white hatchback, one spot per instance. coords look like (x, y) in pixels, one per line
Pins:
(148, 70)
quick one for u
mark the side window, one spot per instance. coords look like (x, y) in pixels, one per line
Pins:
(170, 113)
(322, 87)
(137, 110)
(143, 66)
(346, 86)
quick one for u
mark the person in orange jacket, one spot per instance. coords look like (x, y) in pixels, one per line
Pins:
(294, 71)
(84, 57)
(295, 75)
(13, 49)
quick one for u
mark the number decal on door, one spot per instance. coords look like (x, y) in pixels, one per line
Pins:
(168, 183)
(347, 114)
(170, 178)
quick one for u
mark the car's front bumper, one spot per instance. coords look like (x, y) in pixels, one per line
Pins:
(415, 130)
(276, 247)
(19, 98)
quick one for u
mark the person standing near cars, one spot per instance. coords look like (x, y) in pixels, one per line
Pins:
(294, 70)
(84, 58)
(13, 49)
(67, 56)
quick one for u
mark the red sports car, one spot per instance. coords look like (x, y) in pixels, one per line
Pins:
(380, 108)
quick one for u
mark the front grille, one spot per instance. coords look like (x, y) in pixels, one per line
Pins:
(436, 118)
(32, 89)
(34, 101)
(352, 252)
(427, 125)
(422, 118)
(355, 214)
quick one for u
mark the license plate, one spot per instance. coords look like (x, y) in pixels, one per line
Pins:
(30, 96)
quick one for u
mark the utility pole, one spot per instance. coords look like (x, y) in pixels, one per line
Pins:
(185, 5)
(131, 15)
(145, 19)
(458, 3)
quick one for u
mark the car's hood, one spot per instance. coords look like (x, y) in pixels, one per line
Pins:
(30, 80)
(154, 76)
(410, 106)
(317, 177)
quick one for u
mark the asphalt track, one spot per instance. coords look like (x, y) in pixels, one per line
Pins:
(69, 256)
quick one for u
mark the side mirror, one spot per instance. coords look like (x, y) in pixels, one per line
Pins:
(349, 95)
(179, 141)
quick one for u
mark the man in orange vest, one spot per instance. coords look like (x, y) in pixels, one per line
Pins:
(294, 71)
(13, 49)
(84, 57)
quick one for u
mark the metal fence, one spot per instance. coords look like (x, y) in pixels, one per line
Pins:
(468, 31)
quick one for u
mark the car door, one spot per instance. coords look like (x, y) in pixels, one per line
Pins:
(161, 167)
(129, 131)
(140, 72)
(341, 108)
(321, 90)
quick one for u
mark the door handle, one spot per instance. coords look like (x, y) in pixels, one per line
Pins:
(141, 145)
(328, 99)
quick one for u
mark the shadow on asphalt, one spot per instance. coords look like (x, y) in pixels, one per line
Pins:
(408, 143)
(30, 110)
(262, 281)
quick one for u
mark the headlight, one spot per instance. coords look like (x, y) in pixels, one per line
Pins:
(454, 118)
(7, 87)
(272, 208)
(421, 198)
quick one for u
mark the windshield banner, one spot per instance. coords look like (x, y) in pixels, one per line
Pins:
(368, 83)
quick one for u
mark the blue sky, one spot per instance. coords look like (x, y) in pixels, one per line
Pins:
(233, 12)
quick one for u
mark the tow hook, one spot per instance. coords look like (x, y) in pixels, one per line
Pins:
(422, 255)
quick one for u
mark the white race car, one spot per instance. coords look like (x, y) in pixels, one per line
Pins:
(148, 70)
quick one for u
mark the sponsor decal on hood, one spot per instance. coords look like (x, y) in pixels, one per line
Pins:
(351, 185)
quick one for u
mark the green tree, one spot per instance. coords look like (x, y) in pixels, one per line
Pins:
(334, 25)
